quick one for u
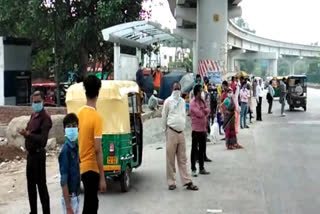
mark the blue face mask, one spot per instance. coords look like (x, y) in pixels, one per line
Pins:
(37, 107)
(71, 133)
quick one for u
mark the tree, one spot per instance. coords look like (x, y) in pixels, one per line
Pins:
(244, 25)
(77, 24)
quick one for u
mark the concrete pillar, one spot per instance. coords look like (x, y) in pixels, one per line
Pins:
(273, 67)
(194, 57)
(236, 65)
(292, 61)
(138, 54)
(232, 54)
(212, 22)
(116, 62)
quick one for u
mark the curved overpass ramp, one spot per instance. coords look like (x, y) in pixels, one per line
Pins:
(240, 44)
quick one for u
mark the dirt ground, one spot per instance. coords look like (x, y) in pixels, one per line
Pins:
(9, 153)
(13, 178)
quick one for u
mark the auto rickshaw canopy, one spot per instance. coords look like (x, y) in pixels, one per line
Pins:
(112, 104)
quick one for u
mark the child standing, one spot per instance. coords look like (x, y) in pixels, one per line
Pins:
(69, 166)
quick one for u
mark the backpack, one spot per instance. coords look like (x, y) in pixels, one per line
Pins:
(213, 98)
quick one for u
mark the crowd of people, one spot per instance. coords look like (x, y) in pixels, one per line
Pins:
(81, 155)
(228, 105)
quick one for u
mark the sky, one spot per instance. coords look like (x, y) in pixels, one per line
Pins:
(294, 21)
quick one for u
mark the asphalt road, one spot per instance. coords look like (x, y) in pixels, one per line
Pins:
(276, 173)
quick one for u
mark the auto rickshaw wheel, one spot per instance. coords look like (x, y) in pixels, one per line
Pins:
(125, 179)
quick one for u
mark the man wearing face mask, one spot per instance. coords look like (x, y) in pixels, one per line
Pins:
(199, 112)
(174, 120)
(36, 136)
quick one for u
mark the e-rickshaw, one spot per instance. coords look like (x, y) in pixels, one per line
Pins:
(297, 92)
(122, 142)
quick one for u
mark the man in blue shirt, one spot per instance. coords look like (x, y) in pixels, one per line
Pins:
(69, 166)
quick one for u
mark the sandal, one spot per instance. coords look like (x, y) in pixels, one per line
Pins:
(190, 186)
(172, 187)
(229, 147)
(238, 146)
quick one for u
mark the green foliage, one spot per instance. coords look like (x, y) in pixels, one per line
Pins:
(77, 24)
(186, 63)
(244, 25)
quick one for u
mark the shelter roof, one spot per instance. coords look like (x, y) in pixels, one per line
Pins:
(139, 34)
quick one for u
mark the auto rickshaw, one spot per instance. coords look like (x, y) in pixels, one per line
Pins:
(297, 92)
(122, 143)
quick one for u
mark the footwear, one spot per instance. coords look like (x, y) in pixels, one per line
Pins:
(238, 146)
(172, 187)
(283, 115)
(207, 160)
(247, 127)
(194, 173)
(204, 172)
(190, 186)
(241, 127)
(208, 140)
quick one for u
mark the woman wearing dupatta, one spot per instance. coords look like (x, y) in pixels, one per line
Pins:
(229, 123)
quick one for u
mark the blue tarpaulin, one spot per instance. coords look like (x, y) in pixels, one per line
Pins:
(167, 82)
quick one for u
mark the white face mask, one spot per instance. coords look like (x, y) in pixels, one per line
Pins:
(176, 94)
(230, 95)
(203, 96)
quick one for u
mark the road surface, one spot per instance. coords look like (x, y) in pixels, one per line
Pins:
(276, 173)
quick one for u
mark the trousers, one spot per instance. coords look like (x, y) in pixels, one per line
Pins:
(90, 182)
(243, 114)
(198, 141)
(176, 148)
(36, 177)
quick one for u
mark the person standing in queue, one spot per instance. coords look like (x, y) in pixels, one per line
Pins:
(270, 96)
(244, 99)
(157, 77)
(140, 77)
(228, 109)
(206, 97)
(36, 136)
(199, 112)
(259, 93)
(174, 121)
(90, 151)
(283, 94)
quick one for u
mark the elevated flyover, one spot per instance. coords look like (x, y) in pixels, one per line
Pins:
(207, 23)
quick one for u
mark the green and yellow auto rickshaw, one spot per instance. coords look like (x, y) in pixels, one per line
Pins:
(122, 141)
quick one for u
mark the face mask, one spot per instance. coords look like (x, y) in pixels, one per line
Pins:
(203, 95)
(176, 94)
(71, 133)
(229, 95)
(37, 107)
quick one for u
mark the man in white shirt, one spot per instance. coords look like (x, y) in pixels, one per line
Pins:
(259, 93)
(174, 120)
